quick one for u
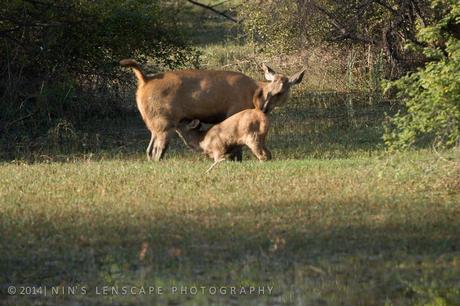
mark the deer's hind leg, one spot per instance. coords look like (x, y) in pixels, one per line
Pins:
(162, 129)
(150, 146)
(160, 144)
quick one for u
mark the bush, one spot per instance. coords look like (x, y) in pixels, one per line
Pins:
(60, 58)
(431, 95)
(272, 27)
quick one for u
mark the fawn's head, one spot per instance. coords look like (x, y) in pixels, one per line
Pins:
(190, 132)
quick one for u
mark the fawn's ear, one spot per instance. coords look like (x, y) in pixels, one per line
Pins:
(269, 73)
(261, 101)
(195, 123)
(258, 99)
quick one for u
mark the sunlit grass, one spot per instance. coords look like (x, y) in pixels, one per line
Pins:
(314, 229)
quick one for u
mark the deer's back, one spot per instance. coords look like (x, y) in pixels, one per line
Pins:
(239, 125)
(210, 96)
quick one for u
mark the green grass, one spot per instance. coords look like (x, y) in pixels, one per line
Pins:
(332, 220)
(357, 231)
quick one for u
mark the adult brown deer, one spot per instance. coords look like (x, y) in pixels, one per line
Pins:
(165, 99)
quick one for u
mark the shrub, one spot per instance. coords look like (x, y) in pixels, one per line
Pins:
(60, 58)
(431, 95)
(271, 27)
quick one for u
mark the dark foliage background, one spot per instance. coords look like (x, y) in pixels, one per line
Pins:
(60, 58)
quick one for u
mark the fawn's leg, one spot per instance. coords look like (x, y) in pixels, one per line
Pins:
(267, 151)
(236, 154)
(257, 147)
(217, 159)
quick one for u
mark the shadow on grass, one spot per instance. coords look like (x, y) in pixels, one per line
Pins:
(304, 128)
(308, 262)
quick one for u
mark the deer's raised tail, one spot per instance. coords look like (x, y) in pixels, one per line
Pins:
(136, 68)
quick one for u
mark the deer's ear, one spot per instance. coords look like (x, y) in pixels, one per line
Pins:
(269, 73)
(195, 123)
(296, 78)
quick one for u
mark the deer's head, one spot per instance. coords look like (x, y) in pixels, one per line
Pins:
(276, 91)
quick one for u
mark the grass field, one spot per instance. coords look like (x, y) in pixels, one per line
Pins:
(332, 220)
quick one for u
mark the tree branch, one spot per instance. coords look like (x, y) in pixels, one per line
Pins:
(344, 32)
(387, 6)
(223, 14)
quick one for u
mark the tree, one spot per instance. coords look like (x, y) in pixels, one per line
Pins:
(382, 24)
(59, 55)
(431, 95)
